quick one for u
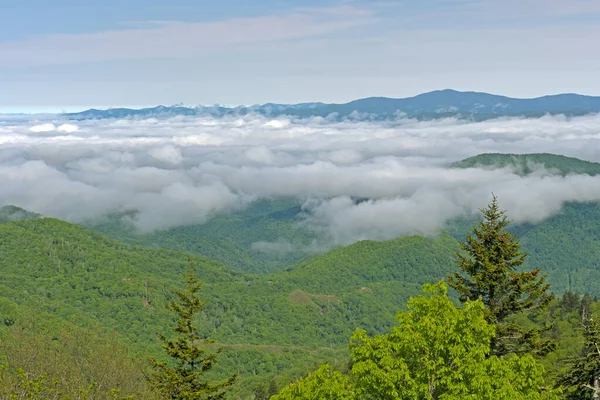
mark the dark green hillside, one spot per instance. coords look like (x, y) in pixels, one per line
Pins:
(12, 213)
(527, 163)
(228, 238)
(270, 324)
(180, 239)
(369, 262)
(373, 280)
(566, 246)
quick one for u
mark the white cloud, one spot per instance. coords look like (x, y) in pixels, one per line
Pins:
(67, 128)
(48, 127)
(357, 180)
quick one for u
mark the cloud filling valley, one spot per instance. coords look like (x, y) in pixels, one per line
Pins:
(186, 170)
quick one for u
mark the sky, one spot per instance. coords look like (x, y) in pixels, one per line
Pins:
(72, 55)
(186, 170)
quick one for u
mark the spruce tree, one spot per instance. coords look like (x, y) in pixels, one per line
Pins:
(183, 377)
(489, 267)
(582, 381)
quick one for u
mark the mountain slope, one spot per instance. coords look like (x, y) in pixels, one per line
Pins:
(12, 213)
(234, 239)
(525, 164)
(280, 324)
(76, 273)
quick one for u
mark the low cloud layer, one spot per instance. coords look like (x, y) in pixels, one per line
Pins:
(356, 180)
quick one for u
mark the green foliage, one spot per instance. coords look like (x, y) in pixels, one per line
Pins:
(186, 378)
(568, 247)
(322, 384)
(582, 381)
(489, 263)
(432, 352)
(271, 327)
(22, 385)
(41, 360)
(525, 164)
(438, 351)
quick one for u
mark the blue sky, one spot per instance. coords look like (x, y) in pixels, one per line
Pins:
(70, 55)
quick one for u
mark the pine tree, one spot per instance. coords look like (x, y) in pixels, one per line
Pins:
(489, 263)
(183, 378)
(582, 381)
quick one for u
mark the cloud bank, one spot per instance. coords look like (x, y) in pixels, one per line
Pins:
(355, 179)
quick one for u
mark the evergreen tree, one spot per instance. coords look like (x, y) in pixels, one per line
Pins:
(489, 266)
(184, 377)
(582, 381)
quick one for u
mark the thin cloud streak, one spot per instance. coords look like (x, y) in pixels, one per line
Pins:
(179, 39)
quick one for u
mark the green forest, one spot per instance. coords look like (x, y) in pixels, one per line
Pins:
(486, 309)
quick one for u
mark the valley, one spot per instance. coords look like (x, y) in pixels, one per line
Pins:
(275, 316)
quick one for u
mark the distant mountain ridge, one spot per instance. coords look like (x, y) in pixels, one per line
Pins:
(436, 104)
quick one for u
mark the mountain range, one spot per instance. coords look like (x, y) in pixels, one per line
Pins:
(436, 104)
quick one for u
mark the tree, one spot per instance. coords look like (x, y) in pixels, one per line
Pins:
(438, 351)
(582, 381)
(489, 264)
(184, 377)
(323, 384)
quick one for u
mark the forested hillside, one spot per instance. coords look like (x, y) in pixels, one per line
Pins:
(59, 277)
(234, 239)
(270, 324)
(527, 163)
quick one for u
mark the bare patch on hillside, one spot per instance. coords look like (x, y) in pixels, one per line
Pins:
(301, 297)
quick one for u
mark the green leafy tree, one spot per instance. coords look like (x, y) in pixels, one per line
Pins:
(323, 384)
(582, 381)
(439, 351)
(184, 377)
(21, 385)
(489, 271)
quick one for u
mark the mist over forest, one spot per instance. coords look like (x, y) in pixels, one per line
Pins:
(354, 179)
